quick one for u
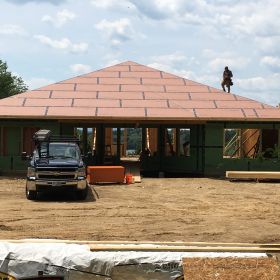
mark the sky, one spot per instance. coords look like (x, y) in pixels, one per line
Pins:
(46, 41)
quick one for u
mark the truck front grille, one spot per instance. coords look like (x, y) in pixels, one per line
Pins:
(56, 176)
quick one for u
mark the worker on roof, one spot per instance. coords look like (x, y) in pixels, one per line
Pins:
(227, 81)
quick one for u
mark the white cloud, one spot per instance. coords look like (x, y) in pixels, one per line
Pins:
(170, 59)
(265, 89)
(169, 69)
(217, 61)
(176, 60)
(80, 68)
(34, 83)
(237, 19)
(271, 83)
(118, 31)
(12, 29)
(268, 45)
(61, 18)
(260, 18)
(112, 62)
(54, 2)
(108, 4)
(175, 63)
(180, 11)
(63, 44)
(272, 62)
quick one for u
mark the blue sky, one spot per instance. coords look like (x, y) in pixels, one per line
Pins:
(46, 41)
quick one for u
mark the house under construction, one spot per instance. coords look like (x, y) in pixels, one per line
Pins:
(134, 112)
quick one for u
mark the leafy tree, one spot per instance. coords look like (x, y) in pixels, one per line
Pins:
(9, 83)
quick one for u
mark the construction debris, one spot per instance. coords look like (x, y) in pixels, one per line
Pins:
(92, 260)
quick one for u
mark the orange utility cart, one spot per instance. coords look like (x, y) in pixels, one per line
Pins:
(105, 174)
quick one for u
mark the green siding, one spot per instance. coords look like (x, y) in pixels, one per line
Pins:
(206, 148)
(11, 161)
(13, 141)
(216, 165)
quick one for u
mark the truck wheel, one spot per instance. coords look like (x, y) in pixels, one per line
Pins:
(82, 194)
(30, 195)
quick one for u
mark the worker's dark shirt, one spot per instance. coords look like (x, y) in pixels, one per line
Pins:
(227, 75)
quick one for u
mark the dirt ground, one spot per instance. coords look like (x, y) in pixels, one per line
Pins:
(166, 209)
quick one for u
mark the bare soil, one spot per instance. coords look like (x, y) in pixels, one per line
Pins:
(165, 209)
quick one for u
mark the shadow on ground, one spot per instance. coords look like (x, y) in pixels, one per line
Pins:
(64, 196)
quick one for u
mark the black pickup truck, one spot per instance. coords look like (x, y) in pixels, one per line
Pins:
(56, 164)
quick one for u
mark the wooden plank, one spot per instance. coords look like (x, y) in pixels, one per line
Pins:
(113, 242)
(164, 248)
(137, 179)
(253, 174)
(230, 268)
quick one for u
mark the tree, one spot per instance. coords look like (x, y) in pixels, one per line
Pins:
(10, 84)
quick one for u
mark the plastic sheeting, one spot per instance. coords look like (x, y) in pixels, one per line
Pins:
(77, 262)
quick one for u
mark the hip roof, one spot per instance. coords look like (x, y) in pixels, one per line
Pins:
(130, 91)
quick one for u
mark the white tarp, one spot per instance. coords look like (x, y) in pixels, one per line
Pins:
(77, 262)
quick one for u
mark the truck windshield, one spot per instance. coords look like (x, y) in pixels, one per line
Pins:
(58, 150)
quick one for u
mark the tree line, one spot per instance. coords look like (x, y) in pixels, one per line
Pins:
(10, 84)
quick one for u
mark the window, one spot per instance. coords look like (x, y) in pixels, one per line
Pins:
(133, 142)
(232, 143)
(170, 141)
(270, 140)
(57, 150)
(185, 141)
(27, 143)
(87, 137)
(177, 142)
(91, 140)
(251, 143)
(251, 140)
(152, 141)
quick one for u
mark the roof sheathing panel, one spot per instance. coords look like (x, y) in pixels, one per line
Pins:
(132, 91)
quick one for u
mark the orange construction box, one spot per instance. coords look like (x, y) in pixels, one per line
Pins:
(105, 174)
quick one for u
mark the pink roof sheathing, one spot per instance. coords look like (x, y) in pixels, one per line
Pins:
(130, 91)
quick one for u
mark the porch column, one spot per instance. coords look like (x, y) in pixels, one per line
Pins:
(177, 141)
(85, 144)
(144, 139)
(100, 143)
(118, 144)
(161, 145)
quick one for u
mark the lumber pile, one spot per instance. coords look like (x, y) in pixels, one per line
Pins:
(253, 175)
(149, 246)
(142, 260)
(188, 260)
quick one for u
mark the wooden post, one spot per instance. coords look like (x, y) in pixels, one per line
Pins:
(94, 138)
(100, 143)
(152, 139)
(118, 144)
(177, 141)
(161, 145)
(123, 151)
(85, 144)
(144, 138)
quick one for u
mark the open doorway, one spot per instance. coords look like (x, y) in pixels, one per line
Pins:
(131, 140)
(87, 137)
